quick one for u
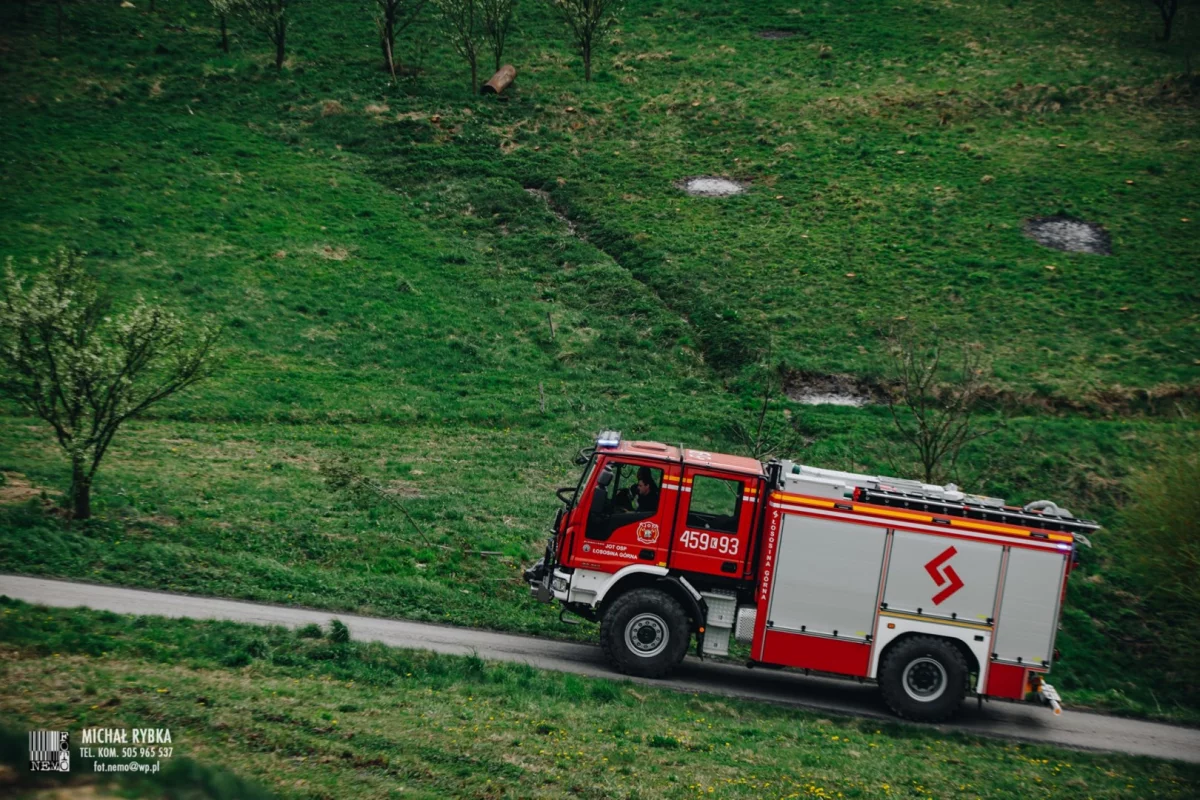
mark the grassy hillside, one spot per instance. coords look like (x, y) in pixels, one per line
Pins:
(388, 283)
(308, 716)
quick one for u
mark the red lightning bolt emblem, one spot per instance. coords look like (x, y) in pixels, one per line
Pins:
(945, 578)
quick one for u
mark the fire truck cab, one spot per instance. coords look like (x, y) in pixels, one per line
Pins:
(931, 592)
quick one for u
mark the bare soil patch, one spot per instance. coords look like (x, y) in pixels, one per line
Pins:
(775, 35)
(1070, 235)
(16, 490)
(815, 389)
(711, 186)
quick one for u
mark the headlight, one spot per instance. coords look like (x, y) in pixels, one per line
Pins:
(558, 585)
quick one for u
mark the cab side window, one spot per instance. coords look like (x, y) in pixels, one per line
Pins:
(630, 496)
(715, 504)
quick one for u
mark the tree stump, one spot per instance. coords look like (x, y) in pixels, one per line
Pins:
(500, 81)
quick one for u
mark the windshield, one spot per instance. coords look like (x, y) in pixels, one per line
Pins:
(584, 479)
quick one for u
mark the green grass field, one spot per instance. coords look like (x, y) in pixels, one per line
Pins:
(387, 282)
(309, 717)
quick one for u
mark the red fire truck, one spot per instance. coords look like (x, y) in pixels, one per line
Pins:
(928, 591)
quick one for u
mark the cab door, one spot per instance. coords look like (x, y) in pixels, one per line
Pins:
(623, 526)
(712, 530)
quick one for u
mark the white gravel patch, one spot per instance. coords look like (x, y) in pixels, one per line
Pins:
(710, 186)
(830, 399)
(1071, 235)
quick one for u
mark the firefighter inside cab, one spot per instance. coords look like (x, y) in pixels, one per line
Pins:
(931, 592)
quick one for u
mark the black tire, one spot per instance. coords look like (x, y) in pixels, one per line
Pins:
(644, 633)
(923, 678)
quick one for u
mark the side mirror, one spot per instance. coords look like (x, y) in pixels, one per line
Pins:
(604, 479)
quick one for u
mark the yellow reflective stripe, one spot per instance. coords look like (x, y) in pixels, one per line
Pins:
(887, 512)
(804, 501)
(971, 525)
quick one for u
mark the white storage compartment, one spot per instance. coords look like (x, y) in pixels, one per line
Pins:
(1029, 606)
(826, 578)
(939, 577)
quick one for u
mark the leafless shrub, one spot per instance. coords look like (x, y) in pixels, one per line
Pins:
(462, 22)
(771, 430)
(271, 18)
(588, 20)
(344, 477)
(392, 18)
(348, 479)
(934, 403)
(497, 19)
(1166, 10)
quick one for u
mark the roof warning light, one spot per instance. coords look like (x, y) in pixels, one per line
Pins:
(609, 439)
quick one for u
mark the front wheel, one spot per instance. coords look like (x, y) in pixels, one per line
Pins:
(923, 678)
(644, 633)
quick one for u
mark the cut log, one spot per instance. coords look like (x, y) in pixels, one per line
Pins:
(500, 81)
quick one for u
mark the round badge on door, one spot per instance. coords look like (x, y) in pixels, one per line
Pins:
(647, 532)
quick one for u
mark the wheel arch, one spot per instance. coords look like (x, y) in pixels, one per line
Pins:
(675, 586)
(973, 665)
(635, 576)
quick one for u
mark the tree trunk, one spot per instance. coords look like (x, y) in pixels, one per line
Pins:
(280, 40)
(587, 62)
(387, 43)
(1167, 8)
(81, 491)
(224, 35)
(474, 75)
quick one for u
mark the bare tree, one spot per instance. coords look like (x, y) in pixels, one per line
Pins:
(347, 478)
(87, 371)
(588, 20)
(770, 431)
(393, 17)
(463, 23)
(940, 402)
(1166, 9)
(497, 19)
(270, 17)
(222, 9)
(344, 476)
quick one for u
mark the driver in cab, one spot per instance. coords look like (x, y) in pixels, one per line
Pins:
(643, 496)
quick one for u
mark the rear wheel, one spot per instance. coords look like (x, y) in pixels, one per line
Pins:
(644, 633)
(923, 678)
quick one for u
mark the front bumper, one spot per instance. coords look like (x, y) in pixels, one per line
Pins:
(547, 584)
(538, 578)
